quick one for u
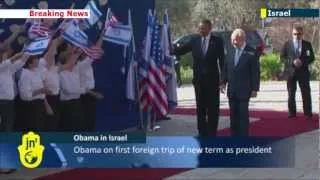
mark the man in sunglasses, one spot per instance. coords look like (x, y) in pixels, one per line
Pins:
(297, 55)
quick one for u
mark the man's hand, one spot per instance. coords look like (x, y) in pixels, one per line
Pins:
(222, 88)
(254, 94)
(297, 62)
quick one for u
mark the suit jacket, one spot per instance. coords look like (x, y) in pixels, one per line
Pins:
(288, 55)
(208, 65)
(244, 77)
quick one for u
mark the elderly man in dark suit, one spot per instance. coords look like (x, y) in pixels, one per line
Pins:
(242, 74)
(297, 55)
(208, 57)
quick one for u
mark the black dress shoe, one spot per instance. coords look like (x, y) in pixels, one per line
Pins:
(292, 116)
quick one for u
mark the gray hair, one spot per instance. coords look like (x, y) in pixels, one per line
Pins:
(238, 32)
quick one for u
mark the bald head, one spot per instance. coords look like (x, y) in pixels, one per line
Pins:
(238, 38)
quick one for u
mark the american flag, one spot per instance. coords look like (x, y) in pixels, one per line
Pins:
(153, 86)
(110, 19)
(38, 29)
(93, 51)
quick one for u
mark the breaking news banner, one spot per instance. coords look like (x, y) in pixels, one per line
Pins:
(301, 13)
(125, 150)
(45, 13)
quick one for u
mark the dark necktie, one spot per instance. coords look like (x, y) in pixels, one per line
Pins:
(203, 46)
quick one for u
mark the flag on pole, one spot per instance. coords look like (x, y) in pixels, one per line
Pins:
(111, 19)
(74, 35)
(154, 88)
(131, 63)
(144, 63)
(95, 13)
(171, 81)
(37, 46)
(118, 34)
(38, 29)
(93, 51)
(115, 31)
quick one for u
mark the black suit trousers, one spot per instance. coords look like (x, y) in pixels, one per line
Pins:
(303, 79)
(207, 100)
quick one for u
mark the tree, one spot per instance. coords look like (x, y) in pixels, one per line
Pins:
(229, 14)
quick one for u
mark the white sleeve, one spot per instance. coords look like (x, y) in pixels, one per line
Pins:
(24, 85)
(17, 65)
(5, 64)
(85, 63)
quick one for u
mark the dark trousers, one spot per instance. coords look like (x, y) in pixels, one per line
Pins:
(207, 100)
(71, 116)
(239, 117)
(53, 120)
(89, 109)
(33, 113)
(7, 115)
(18, 122)
(303, 80)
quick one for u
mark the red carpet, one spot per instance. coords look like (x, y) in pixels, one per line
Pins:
(271, 123)
(113, 174)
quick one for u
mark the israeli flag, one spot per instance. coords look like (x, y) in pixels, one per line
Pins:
(75, 36)
(37, 46)
(95, 13)
(118, 34)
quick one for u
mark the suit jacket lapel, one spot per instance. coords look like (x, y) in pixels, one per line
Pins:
(232, 54)
(199, 42)
(208, 48)
(303, 47)
(241, 58)
(210, 43)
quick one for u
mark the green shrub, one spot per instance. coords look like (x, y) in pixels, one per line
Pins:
(315, 69)
(186, 60)
(270, 67)
(186, 74)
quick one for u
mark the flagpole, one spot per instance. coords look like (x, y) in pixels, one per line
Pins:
(141, 123)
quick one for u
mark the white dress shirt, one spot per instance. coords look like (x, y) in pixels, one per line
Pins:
(297, 44)
(7, 81)
(238, 53)
(50, 76)
(86, 74)
(29, 82)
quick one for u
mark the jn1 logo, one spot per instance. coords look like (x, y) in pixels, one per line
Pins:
(31, 151)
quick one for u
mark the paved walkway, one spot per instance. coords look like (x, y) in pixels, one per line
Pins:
(273, 95)
(306, 166)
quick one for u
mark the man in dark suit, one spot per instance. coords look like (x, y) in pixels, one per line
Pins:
(208, 57)
(297, 55)
(242, 74)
